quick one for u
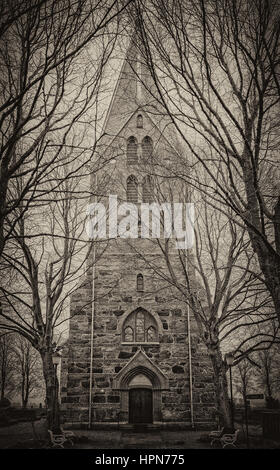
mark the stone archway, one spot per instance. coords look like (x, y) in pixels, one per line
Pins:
(140, 372)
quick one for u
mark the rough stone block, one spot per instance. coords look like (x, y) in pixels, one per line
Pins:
(99, 399)
(125, 355)
(178, 369)
(113, 399)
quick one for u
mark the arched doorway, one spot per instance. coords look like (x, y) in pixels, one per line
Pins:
(142, 374)
(140, 399)
(140, 405)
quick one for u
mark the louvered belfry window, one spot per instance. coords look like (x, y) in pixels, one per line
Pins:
(132, 189)
(131, 151)
(147, 189)
(147, 149)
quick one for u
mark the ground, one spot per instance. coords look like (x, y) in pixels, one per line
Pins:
(16, 435)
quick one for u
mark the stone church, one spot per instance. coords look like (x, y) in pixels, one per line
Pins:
(134, 356)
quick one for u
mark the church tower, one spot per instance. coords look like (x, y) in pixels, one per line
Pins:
(134, 355)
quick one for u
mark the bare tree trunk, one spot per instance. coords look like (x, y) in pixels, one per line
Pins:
(268, 384)
(25, 399)
(2, 390)
(3, 195)
(26, 389)
(221, 387)
(22, 394)
(269, 259)
(53, 418)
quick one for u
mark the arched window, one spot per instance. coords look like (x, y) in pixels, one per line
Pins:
(128, 335)
(140, 283)
(147, 189)
(140, 121)
(131, 151)
(147, 148)
(140, 327)
(132, 189)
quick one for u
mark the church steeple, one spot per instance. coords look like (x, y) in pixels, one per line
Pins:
(131, 91)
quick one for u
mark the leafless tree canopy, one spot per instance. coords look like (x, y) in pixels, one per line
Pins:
(52, 58)
(215, 66)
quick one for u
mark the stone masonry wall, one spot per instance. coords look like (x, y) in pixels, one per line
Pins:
(115, 295)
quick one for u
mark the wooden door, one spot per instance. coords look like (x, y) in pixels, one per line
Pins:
(140, 405)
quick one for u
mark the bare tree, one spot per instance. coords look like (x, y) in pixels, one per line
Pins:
(268, 371)
(7, 361)
(53, 86)
(47, 255)
(27, 369)
(215, 68)
(244, 380)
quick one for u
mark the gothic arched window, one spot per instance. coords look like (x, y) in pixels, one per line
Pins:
(140, 121)
(147, 189)
(131, 151)
(140, 327)
(147, 148)
(132, 189)
(140, 283)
